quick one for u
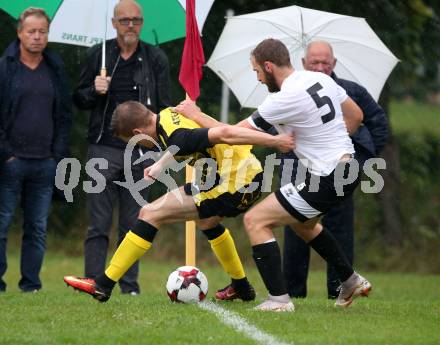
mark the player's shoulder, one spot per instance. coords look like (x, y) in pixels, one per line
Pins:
(291, 91)
(300, 80)
(319, 80)
(315, 76)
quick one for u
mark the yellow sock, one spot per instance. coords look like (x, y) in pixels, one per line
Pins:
(225, 251)
(129, 251)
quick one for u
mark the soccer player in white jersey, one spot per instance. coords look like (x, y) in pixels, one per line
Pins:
(321, 115)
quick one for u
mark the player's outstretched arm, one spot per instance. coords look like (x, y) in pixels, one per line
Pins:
(190, 110)
(353, 115)
(234, 135)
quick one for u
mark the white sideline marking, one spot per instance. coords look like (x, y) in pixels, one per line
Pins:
(238, 323)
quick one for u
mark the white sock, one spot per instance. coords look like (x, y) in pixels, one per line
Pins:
(281, 299)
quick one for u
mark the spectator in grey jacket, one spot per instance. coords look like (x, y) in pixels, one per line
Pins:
(139, 72)
(368, 141)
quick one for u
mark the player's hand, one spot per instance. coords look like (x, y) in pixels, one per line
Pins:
(152, 172)
(189, 109)
(285, 142)
(102, 84)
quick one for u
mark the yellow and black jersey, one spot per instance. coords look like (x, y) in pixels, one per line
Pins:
(174, 129)
(236, 166)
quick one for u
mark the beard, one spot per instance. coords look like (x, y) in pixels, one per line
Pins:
(130, 38)
(271, 84)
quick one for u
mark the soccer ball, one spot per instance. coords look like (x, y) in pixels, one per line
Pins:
(187, 284)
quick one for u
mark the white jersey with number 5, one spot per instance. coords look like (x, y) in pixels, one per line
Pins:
(309, 104)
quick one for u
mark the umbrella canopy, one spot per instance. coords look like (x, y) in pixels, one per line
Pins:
(362, 57)
(87, 22)
(14, 8)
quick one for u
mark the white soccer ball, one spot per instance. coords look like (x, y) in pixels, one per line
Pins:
(187, 284)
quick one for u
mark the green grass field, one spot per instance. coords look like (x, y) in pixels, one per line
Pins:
(403, 309)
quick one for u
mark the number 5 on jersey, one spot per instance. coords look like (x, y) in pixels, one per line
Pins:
(321, 101)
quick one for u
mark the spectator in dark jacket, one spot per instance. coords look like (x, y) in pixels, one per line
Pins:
(35, 118)
(139, 72)
(368, 141)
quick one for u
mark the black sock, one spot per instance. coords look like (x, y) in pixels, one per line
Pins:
(267, 257)
(214, 232)
(240, 284)
(104, 283)
(327, 247)
(145, 230)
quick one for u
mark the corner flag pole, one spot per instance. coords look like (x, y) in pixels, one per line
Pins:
(189, 76)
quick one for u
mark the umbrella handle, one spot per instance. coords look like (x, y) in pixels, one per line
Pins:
(103, 72)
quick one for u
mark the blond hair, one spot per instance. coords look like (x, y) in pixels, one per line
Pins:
(32, 11)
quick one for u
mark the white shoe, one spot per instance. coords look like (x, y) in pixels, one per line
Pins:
(276, 303)
(353, 287)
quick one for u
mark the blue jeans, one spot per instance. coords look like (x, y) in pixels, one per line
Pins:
(31, 181)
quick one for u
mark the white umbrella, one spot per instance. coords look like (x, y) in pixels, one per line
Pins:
(76, 22)
(362, 56)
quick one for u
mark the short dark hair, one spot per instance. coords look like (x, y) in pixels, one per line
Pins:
(32, 11)
(272, 50)
(128, 116)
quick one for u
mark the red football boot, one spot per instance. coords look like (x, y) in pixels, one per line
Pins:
(229, 293)
(89, 286)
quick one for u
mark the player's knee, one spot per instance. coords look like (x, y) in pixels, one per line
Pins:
(209, 223)
(143, 213)
(250, 222)
(308, 231)
(151, 215)
(317, 228)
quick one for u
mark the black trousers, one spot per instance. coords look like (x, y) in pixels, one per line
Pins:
(100, 210)
(340, 222)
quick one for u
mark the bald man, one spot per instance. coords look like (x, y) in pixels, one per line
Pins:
(368, 141)
(136, 71)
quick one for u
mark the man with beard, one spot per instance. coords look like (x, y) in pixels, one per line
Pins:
(137, 72)
(320, 113)
(368, 141)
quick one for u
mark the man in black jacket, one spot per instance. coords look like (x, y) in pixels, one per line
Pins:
(137, 71)
(35, 119)
(368, 141)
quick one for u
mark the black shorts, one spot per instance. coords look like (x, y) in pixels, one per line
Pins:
(227, 204)
(314, 195)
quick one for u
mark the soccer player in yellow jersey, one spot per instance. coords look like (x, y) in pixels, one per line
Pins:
(226, 190)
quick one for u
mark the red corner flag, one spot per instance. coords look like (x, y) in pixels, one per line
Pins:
(193, 57)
